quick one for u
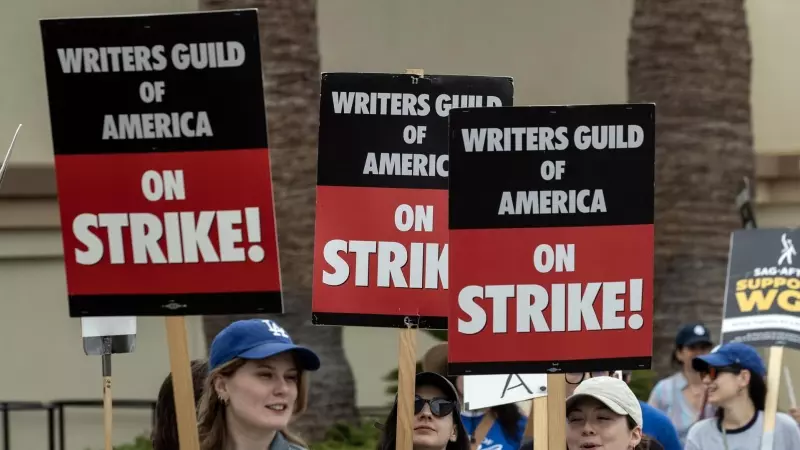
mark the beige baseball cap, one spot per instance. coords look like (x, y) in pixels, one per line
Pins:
(612, 392)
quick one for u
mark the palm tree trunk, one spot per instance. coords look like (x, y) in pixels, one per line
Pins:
(291, 62)
(693, 59)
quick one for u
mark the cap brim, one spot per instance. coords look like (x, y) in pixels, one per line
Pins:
(307, 359)
(698, 340)
(439, 381)
(610, 404)
(712, 359)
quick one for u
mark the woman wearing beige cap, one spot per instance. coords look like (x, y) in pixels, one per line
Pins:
(603, 413)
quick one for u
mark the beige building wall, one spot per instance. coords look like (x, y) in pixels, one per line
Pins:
(558, 52)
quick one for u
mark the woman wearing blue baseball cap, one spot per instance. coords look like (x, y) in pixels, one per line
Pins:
(681, 396)
(257, 382)
(734, 374)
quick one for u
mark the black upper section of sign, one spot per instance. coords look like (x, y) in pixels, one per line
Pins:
(761, 253)
(232, 96)
(345, 140)
(478, 179)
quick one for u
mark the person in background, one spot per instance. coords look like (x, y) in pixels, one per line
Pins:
(165, 429)
(734, 374)
(257, 382)
(655, 425)
(795, 413)
(498, 428)
(682, 395)
(603, 413)
(437, 423)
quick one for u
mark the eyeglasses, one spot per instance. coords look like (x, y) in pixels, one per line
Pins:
(714, 372)
(439, 406)
(578, 377)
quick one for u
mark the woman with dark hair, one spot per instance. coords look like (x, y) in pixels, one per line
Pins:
(499, 427)
(165, 428)
(734, 374)
(437, 423)
(681, 396)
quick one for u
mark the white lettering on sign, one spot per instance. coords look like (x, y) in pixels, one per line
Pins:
(572, 306)
(390, 259)
(140, 58)
(406, 104)
(426, 263)
(598, 137)
(552, 202)
(156, 58)
(186, 235)
(406, 164)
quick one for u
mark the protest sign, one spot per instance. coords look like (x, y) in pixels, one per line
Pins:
(162, 164)
(484, 391)
(763, 288)
(551, 239)
(163, 173)
(381, 251)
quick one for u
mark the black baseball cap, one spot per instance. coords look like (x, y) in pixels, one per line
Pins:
(443, 384)
(693, 333)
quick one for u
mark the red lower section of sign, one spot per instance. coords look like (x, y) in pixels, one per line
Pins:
(505, 310)
(164, 223)
(363, 262)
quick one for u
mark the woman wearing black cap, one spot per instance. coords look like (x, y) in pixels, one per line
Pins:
(437, 422)
(682, 396)
(499, 427)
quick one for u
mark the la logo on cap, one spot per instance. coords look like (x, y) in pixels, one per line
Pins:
(276, 329)
(699, 330)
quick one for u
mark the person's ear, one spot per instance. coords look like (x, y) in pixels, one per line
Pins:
(744, 378)
(221, 389)
(636, 437)
(454, 433)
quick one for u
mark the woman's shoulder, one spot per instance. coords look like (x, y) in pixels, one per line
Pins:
(701, 426)
(280, 442)
(783, 419)
(661, 386)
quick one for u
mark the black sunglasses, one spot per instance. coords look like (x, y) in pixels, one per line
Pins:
(713, 372)
(439, 406)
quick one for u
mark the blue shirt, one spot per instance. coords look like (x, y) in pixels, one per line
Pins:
(658, 426)
(667, 397)
(495, 439)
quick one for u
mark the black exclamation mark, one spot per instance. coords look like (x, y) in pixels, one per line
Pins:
(635, 321)
(253, 219)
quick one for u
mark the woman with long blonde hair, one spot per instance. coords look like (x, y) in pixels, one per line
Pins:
(257, 383)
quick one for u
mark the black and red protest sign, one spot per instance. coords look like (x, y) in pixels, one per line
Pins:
(162, 164)
(551, 239)
(381, 251)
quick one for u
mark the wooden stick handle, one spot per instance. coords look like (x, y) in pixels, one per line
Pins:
(556, 411)
(406, 376)
(107, 413)
(183, 387)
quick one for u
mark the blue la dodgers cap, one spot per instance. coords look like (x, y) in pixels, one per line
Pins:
(733, 353)
(257, 339)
